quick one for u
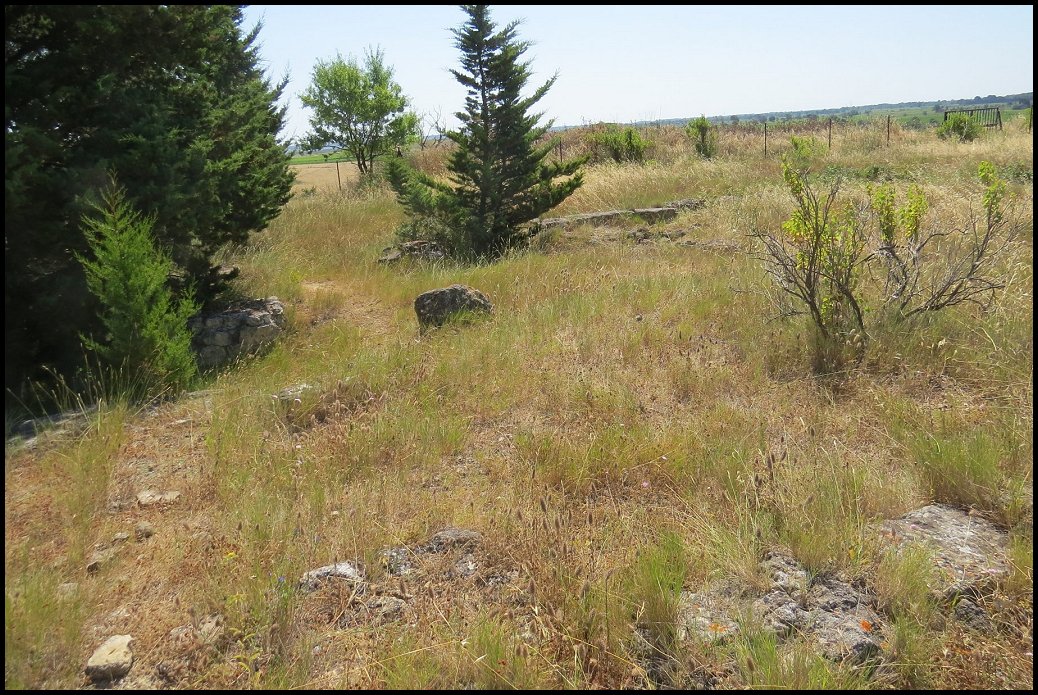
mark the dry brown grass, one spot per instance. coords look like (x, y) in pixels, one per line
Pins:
(631, 415)
(324, 178)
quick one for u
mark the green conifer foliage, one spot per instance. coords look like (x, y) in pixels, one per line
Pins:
(501, 178)
(147, 342)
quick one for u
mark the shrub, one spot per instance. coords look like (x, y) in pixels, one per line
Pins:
(704, 136)
(820, 259)
(920, 278)
(620, 145)
(147, 340)
(961, 126)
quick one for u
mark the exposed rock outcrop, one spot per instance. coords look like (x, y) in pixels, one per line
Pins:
(413, 250)
(662, 213)
(112, 660)
(241, 329)
(969, 553)
(436, 307)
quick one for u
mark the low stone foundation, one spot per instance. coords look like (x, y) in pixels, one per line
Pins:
(244, 328)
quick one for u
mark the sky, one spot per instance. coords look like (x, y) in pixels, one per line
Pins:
(625, 63)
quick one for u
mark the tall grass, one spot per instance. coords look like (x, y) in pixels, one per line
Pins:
(632, 422)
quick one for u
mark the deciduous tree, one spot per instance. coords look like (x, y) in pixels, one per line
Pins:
(359, 110)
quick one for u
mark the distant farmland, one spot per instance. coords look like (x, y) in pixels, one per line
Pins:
(322, 176)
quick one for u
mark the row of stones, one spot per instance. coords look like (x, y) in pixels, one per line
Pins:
(432, 251)
(114, 658)
(837, 613)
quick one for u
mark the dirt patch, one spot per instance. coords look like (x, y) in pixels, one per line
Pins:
(330, 300)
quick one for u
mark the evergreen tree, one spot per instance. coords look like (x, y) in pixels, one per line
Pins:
(147, 342)
(499, 172)
(169, 97)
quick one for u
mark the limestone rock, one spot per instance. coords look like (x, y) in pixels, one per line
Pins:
(209, 632)
(969, 552)
(150, 498)
(650, 215)
(785, 573)
(294, 394)
(346, 571)
(143, 530)
(972, 615)
(436, 307)
(704, 616)
(243, 328)
(99, 558)
(466, 566)
(295, 403)
(685, 204)
(451, 538)
(653, 215)
(832, 610)
(844, 624)
(397, 561)
(112, 660)
(780, 613)
(414, 250)
(384, 609)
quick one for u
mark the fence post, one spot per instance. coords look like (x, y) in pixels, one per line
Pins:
(830, 132)
(888, 130)
(765, 138)
(337, 177)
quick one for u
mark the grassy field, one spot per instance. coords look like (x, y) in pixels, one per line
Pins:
(926, 117)
(323, 177)
(633, 421)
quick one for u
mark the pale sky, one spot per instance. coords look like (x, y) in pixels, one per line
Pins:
(624, 63)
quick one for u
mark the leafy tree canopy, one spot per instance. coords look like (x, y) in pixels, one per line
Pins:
(359, 110)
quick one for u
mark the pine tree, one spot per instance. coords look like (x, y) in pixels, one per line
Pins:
(501, 179)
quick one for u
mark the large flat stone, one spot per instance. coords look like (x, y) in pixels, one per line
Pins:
(112, 660)
(968, 552)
